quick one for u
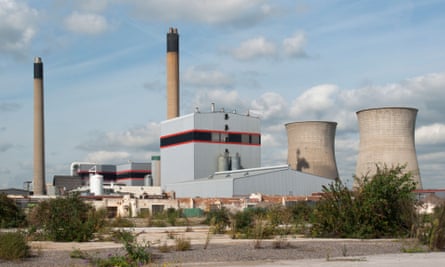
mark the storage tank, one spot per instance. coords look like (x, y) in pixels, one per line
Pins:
(387, 138)
(223, 163)
(311, 147)
(96, 184)
(148, 180)
(236, 162)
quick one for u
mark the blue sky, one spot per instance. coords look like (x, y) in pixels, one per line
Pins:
(285, 61)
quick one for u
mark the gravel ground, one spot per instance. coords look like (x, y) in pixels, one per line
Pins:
(220, 253)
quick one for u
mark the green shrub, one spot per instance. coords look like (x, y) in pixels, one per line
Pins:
(13, 246)
(10, 214)
(382, 206)
(123, 236)
(135, 255)
(218, 219)
(245, 223)
(79, 254)
(66, 219)
(173, 215)
(431, 229)
(302, 211)
(121, 222)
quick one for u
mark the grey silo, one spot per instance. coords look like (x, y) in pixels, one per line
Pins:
(311, 147)
(387, 138)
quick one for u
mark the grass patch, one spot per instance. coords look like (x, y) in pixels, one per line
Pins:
(164, 248)
(182, 244)
(13, 246)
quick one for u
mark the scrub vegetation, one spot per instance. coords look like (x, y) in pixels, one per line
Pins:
(382, 206)
(65, 219)
(10, 215)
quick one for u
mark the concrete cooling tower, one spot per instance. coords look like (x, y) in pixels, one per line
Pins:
(311, 147)
(387, 138)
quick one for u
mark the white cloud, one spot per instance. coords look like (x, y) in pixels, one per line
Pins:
(17, 27)
(235, 12)
(254, 48)
(316, 102)
(221, 98)
(86, 23)
(294, 46)
(205, 78)
(269, 140)
(431, 134)
(271, 105)
(103, 157)
(135, 139)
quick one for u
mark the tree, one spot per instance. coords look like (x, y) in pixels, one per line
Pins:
(10, 214)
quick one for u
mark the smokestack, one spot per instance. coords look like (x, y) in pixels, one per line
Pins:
(387, 138)
(311, 148)
(156, 170)
(39, 134)
(172, 73)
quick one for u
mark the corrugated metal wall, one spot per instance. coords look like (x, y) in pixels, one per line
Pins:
(283, 182)
(203, 188)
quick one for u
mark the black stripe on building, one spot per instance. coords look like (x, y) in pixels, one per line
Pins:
(128, 175)
(211, 137)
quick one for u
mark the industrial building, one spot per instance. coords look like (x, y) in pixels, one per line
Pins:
(201, 143)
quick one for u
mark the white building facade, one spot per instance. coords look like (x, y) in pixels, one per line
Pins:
(197, 145)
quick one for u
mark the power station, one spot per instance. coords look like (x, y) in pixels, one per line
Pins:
(217, 152)
(387, 138)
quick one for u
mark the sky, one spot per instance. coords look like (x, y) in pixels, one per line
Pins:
(284, 61)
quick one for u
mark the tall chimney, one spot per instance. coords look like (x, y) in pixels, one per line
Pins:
(39, 134)
(172, 73)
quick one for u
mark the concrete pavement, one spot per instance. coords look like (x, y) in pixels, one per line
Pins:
(433, 259)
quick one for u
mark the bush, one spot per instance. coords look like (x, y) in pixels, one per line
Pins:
(10, 214)
(122, 236)
(218, 219)
(66, 219)
(13, 246)
(182, 244)
(121, 222)
(383, 206)
(252, 223)
(135, 255)
(431, 229)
